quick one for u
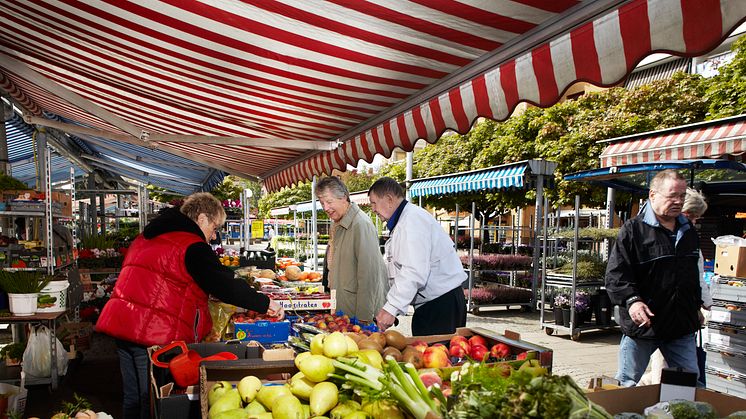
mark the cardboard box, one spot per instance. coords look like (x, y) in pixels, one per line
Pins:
(273, 354)
(169, 402)
(65, 201)
(512, 339)
(277, 372)
(262, 331)
(636, 399)
(730, 261)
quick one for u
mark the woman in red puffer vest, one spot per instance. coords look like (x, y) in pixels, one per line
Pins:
(162, 291)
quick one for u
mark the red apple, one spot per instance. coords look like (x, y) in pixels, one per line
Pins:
(477, 340)
(440, 346)
(435, 358)
(500, 351)
(478, 352)
(456, 339)
(458, 351)
(355, 328)
(419, 345)
(521, 355)
(430, 377)
(321, 325)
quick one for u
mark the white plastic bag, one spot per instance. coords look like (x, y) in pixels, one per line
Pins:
(37, 358)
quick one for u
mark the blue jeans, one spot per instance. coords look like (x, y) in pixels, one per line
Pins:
(133, 363)
(634, 356)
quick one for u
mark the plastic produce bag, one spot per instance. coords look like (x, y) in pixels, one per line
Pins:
(221, 314)
(37, 358)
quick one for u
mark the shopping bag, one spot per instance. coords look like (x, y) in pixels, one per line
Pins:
(701, 359)
(37, 358)
(16, 396)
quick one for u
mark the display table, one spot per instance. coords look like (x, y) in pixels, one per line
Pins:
(50, 321)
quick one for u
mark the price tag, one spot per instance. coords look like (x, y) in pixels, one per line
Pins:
(720, 316)
(719, 339)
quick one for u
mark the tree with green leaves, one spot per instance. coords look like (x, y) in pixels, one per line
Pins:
(726, 92)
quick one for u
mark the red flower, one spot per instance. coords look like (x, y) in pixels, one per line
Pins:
(86, 254)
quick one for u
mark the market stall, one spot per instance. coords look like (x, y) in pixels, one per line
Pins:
(520, 175)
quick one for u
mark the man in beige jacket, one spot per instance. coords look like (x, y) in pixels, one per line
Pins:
(354, 260)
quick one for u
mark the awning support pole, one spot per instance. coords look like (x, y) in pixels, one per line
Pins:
(314, 227)
(469, 306)
(537, 217)
(408, 183)
(455, 230)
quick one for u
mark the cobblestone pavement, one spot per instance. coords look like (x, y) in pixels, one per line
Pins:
(593, 355)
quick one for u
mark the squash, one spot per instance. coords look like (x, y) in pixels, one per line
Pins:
(267, 273)
(293, 273)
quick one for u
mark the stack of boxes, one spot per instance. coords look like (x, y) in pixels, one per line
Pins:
(725, 343)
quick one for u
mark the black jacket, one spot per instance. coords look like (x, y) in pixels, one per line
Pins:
(650, 262)
(203, 265)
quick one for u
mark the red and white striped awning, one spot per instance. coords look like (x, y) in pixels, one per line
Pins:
(711, 139)
(284, 90)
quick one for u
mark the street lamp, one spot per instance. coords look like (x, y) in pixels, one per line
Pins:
(295, 229)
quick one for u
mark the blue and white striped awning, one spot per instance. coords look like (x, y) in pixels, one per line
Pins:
(506, 176)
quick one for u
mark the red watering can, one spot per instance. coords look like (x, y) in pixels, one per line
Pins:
(184, 367)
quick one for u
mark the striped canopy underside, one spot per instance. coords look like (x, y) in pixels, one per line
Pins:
(712, 140)
(314, 70)
(511, 177)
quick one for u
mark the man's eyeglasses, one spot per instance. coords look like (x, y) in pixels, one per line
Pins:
(671, 197)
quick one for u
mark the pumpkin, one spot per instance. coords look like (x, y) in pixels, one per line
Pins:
(293, 273)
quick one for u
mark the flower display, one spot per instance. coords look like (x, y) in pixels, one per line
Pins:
(582, 302)
(101, 258)
(561, 301)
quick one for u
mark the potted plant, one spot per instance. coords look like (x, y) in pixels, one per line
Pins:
(23, 288)
(582, 307)
(13, 353)
(561, 304)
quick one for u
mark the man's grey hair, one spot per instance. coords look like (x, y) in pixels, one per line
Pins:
(694, 203)
(333, 185)
(663, 175)
(387, 186)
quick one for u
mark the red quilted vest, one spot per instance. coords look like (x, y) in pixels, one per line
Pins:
(155, 301)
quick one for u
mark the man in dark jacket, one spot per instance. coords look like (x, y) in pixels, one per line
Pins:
(653, 276)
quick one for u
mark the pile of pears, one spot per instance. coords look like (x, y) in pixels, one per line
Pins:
(307, 394)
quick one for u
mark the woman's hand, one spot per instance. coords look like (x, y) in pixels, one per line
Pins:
(275, 310)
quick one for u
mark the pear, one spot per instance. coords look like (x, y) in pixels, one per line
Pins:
(300, 386)
(533, 367)
(317, 344)
(230, 414)
(324, 396)
(351, 345)
(248, 387)
(269, 394)
(371, 357)
(344, 409)
(382, 409)
(357, 415)
(306, 411)
(287, 407)
(263, 415)
(217, 390)
(300, 357)
(316, 368)
(255, 407)
(335, 345)
(228, 401)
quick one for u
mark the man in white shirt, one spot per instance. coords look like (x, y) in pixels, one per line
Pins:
(423, 267)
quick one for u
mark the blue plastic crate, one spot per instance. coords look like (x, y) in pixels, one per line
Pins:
(263, 331)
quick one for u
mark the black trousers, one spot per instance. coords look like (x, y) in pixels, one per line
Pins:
(441, 315)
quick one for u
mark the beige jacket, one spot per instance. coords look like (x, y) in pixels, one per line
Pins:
(357, 270)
